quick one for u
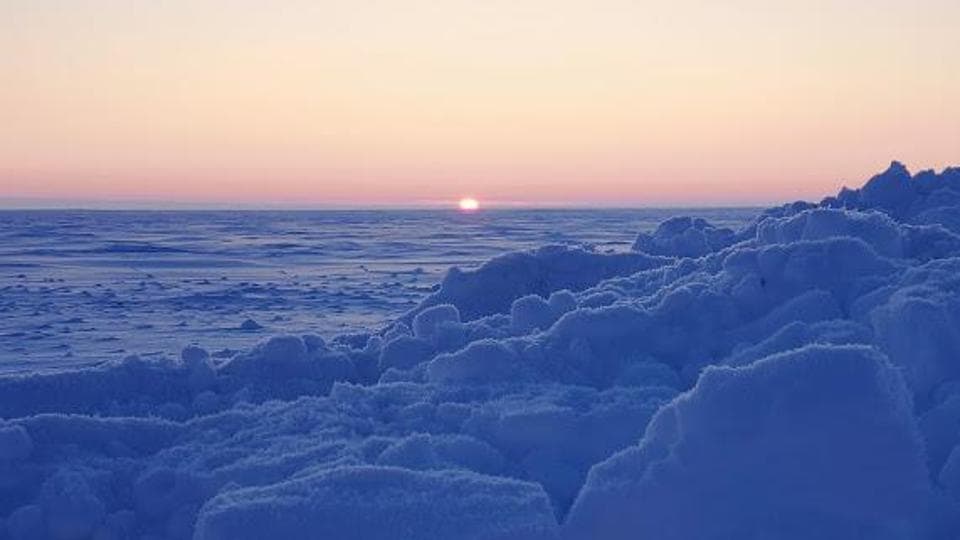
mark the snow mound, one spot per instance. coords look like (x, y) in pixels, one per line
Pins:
(684, 237)
(15, 443)
(382, 503)
(768, 451)
(493, 287)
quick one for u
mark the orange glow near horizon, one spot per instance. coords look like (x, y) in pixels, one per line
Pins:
(542, 102)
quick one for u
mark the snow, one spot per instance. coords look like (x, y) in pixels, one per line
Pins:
(686, 237)
(80, 287)
(426, 324)
(15, 443)
(484, 361)
(382, 503)
(493, 287)
(793, 377)
(405, 352)
(531, 312)
(818, 442)
(71, 509)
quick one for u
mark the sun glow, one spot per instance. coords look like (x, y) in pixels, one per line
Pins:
(469, 204)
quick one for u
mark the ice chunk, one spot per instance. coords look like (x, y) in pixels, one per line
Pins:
(919, 328)
(684, 237)
(250, 325)
(529, 313)
(382, 503)
(426, 322)
(15, 443)
(815, 443)
(201, 372)
(405, 352)
(798, 334)
(483, 361)
(554, 433)
(562, 302)
(159, 492)
(493, 287)
(283, 366)
(71, 509)
(890, 190)
(132, 387)
(423, 451)
(278, 357)
(878, 230)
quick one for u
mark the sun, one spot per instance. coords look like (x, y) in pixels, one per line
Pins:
(469, 204)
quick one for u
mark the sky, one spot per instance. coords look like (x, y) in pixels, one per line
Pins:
(519, 102)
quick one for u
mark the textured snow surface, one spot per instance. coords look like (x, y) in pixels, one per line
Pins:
(794, 378)
(78, 287)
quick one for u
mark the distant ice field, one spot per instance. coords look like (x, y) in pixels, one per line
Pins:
(83, 287)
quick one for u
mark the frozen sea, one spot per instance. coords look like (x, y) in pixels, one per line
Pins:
(81, 287)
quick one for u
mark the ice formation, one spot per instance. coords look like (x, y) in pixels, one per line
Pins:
(797, 378)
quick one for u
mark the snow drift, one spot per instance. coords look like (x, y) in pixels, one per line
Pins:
(797, 378)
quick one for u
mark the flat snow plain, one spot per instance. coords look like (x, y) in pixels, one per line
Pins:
(795, 378)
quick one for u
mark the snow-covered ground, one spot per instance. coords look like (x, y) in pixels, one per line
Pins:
(77, 288)
(795, 378)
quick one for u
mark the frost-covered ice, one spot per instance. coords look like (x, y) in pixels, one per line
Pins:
(797, 377)
(77, 287)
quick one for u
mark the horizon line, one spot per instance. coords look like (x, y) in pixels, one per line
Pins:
(8, 205)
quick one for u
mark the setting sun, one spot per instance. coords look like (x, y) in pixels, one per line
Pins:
(469, 204)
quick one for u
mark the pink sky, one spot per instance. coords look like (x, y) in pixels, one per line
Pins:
(383, 102)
